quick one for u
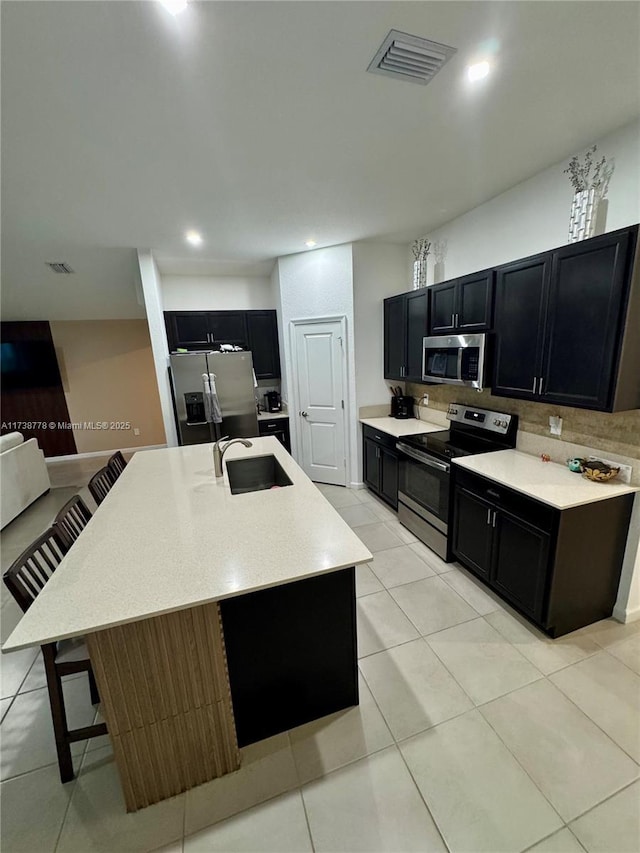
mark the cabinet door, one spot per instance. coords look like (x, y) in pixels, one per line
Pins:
(475, 302)
(584, 317)
(472, 531)
(416, 319)
(389, 476)
(189, 330)
(443, 308)
(519, 325)
(278, 428)
(262, 333)
(371, 457)
(395, 337)
(521, 563)
(228, 327)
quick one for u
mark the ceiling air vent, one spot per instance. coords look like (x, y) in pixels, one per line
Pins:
(60, 267)
(410, 57)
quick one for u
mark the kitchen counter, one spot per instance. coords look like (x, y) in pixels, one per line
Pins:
(548, 482)
(398, 427)
(269, 416)
(212, 620)
(169, 536)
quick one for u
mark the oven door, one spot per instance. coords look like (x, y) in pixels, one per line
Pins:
(424, 486)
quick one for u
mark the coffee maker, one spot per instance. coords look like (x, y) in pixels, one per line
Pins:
(272, 402)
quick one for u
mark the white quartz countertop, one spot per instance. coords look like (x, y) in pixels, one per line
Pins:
(269, 416)
(399, 427)
(169, 536)
(548, 482)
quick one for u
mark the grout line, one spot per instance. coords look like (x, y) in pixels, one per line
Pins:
(306, 817)
(551, 834)
(601, 802)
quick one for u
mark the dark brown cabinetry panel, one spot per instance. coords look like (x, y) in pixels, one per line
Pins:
(279, 428)
(566, 325)
(380, 464)
(462, 304)
(405, 326)
(560, 568)
(33, 404)
(251, 330)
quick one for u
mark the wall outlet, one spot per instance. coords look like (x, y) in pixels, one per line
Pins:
(425, 400)
(555, 425)
(136, 431)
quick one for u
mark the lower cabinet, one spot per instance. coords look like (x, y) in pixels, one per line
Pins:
(560, 568)
(380, 462)
(279, 427)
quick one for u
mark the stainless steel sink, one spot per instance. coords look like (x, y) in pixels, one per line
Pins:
(255, 474)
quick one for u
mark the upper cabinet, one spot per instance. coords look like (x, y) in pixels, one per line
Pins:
(564, 326)
(251, 330)
(262, 333)
(462, 305)
(405, 325)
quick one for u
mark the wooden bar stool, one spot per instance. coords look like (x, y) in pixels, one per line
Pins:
(100, 484)
(25, 579)
(117, 463)
(72, 519)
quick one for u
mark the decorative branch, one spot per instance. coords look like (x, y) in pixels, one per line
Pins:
(580, 173)
(421, 248)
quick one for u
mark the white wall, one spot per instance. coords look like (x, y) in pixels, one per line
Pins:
(379, 270)
(534, 215)
(152, 290)
(313, 284)
(216, 293)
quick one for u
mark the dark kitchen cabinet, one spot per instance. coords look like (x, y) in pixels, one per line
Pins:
(520, 309)
(250, 330)
(262, 334)
(559, 568)
(380, 464)
(278, 427)
(405, 326)
(195, 330)
(462, 305)
(564, 326)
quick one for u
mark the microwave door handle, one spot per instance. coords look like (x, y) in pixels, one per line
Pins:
(459, 377)
(425, 460)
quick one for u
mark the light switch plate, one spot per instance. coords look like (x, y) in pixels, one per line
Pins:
(625, 470)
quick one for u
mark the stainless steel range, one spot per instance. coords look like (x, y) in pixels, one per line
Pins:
(424, 493)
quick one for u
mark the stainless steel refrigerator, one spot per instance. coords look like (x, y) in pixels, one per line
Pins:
(235, 389)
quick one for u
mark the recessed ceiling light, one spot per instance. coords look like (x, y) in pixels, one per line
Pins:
(174, 7)
(478, 70)
(194, 238)
(310, 243)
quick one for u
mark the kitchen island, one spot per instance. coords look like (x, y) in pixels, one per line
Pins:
(205, 613)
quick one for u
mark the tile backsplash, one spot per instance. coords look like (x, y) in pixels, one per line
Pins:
(612, 433)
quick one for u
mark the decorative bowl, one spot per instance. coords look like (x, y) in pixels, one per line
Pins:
(599, 472)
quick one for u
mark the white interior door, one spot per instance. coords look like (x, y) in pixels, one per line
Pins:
(319, 349)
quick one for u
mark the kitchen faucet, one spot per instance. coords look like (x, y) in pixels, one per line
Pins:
(219, 451)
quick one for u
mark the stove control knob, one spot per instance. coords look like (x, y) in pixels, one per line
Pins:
(496, 422)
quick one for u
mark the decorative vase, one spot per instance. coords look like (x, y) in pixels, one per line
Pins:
(584, 210)
(420, 273)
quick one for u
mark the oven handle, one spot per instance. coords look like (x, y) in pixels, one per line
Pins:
(422, 457)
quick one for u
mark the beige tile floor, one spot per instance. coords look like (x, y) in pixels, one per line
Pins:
(474, 731)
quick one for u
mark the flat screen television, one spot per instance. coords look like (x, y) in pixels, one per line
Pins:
(28, 364)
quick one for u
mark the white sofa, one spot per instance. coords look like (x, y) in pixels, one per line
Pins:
(23, 475)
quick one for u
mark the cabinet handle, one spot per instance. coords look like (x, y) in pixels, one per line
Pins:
(488, 516)
(377, 453)
(535, 382)
(494, 519)
(456, 323)
(493, 494)
(540, 386)
(453, 320)
(402, 371)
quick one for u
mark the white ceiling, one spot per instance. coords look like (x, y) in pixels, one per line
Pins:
(256, 124)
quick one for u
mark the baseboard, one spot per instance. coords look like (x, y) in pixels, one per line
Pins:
(95, 453)
(624, 615)
(353, 485)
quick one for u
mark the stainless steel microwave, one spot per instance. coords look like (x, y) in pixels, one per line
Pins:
(455, 360)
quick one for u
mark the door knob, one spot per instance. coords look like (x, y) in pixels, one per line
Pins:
(304, 414)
